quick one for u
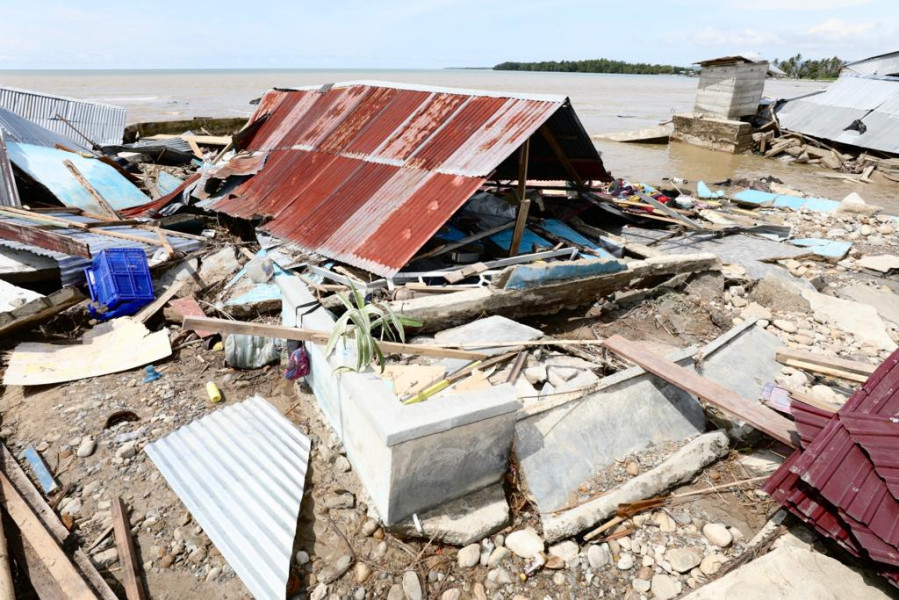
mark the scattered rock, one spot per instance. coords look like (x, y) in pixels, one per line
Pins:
(411, 586)
(526, 543)
(498, 556)
(712, 563)
(664, 587)
(451, 594)
(362, 572)
(127, 450)
(598, 556)
(105, 558)
(342, 465)
(369, 527)
(784, 325)
(717, 534)
(641, 586)
(625, 562)
(319, 593)
(86, 447)
(682, 559)
(664, 521)
(567, 550)
(469, 556)
(342, 500)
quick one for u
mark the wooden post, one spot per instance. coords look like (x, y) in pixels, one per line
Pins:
(524, 204)
(134, 588)
(90, 189)
(7, 591)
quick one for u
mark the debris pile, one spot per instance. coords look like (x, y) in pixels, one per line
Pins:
(355, 353)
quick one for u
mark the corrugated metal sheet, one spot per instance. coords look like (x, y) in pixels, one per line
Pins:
(367, 172)
(9, 194)
(240, 471)
(100, 123)
(45, 166)
(844, 481)
(885, 64)
(872, 100)
(24, 131)
(72, 267)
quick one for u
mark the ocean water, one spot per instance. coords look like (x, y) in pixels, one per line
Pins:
(604, 102)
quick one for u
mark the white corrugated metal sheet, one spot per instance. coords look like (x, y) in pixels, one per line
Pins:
(100, 123)
(872, 100)
(240, 471)
(885, 64)
(9, 194)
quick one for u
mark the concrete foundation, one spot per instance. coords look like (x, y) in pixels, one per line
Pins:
(409, 458)
(713, 133)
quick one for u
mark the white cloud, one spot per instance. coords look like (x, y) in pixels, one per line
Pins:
(782, 5)
(838, 29)
(742, 38)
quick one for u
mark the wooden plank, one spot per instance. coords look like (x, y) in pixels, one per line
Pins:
(760, 417)
(39, 310)
(524, 204)
(151, 309)
(34, 236)
(51, 555)
(669, 211)
(831, 362)
(90, 189)
(319, 337)
(134, 588)
(50, 520)
(464, 241)
(7, 590)
(465, 272)
(169, 251)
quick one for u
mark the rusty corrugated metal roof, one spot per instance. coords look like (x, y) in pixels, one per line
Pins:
(844, 480)
(367, 172)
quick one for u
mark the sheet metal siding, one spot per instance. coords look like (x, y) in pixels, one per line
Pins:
(826, 115)
(886, 64)
(366, 173)
(9, 194)
(101, 123)
(23, 131)
(72, 267)
(240, 471)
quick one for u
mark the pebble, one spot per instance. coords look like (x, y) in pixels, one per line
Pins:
(127, 450)
(469, 556)
(783, 325)
(641, 586)
(717, 534)
(632, 468)
(342, 465)
(712, 563)
(451, 594)
(86, 447)
(105, 558)
(213, 573)
(362, 572)
(498, 556)
(411, 586)
(625, 562)
(559, 579)
(197, 556)
(319, 593)
(682, 559)
(664, 521)
(499, 575)
(526, 543)
(369, 527)
(598, 556)
(72, 508)
(359, 594)
(567, 550)
(664, 587)
(479, 592)
(345, 500)
(166, 561)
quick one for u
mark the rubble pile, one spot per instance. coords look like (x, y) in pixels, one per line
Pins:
(570, 386)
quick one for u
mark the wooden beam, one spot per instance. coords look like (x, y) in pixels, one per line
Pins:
(169, 251)
(28, 234)
(90, 189)
(134, 588)
(524, 203)
(151, 309)
(7, 590)
(827, 365)
(669, 211)
(464, 241)
(51, 555)
(560, 155)
(319, 337)
(760, 417)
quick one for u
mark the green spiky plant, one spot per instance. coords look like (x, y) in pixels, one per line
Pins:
(361, 322)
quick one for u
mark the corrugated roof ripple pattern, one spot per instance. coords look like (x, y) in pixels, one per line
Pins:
(240, 471)
(366, 173)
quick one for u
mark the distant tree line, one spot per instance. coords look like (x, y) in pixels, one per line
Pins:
(596, 65)
(799, 68)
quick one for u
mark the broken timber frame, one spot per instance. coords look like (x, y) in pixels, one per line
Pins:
(760, 417)
(101, 201)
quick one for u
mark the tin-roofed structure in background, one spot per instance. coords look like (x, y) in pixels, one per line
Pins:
(883, 64)
(81, 121)
(366, 172)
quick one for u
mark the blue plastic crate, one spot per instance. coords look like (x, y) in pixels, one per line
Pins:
(119, 282)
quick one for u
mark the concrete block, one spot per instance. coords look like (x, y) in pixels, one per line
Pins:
(409, 458)
(495, 328)
(718, 134)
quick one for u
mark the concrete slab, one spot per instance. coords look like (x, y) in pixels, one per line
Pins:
(860, 320)
(463, 521)
(790, 573)
(561, 448)
(495, 328)
(885, 302)
(882, 263)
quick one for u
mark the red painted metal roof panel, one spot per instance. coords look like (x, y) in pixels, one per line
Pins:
(366, 173)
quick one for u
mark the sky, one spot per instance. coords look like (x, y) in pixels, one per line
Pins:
(123, 34)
